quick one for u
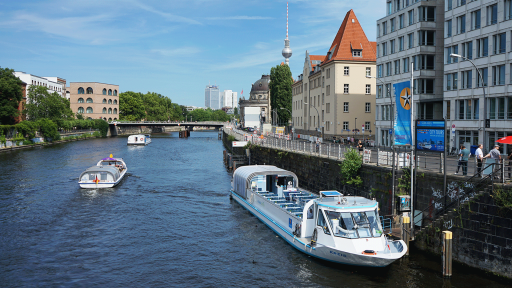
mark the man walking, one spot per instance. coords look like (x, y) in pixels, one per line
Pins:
(479, 157)
(459, 163)
(464, 156)
(495, 154)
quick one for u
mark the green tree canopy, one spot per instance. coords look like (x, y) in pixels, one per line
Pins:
(43, 105)
(281, 91)
(131, 107)
(10, 95)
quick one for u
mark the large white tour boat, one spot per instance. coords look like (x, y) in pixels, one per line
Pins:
(332, 227)
(107, 173)
(139, 139)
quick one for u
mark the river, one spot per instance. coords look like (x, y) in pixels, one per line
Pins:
(170, 222)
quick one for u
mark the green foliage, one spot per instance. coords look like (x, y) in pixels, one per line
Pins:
(27, 128)
(49, 129)
(131, 107)
(231, 138)
(44, 105)
(102, 126)
(404, 182)
(281, 91)
(3, 140)
(502, 198)
(79, 116)
(11, 94)
(18, 139)
(350, 167)
(97, 134)
(208, 115)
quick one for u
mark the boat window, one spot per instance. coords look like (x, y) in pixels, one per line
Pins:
(346, 227)
(375, 225)
(321, 222)
(92, 176)
(103, 176)
(363, 225)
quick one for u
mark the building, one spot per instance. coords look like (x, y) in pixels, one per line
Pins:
(212, 97)
(287, 51)
(411, 32)
(259, 98)
(229, 99)
(94, 100)
(479, 31)
(333, 94)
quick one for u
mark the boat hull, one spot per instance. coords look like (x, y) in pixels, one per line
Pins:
(89, 185)
(319, 251)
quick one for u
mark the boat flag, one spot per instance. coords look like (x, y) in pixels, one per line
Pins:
(96, 181)
(111, 156)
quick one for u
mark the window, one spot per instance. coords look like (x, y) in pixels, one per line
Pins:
(449, 50)
(466, 78)
(368, 89)
(498, 75)
(467, 50)
(379, 71)
(109, 101)
(345, 125)
(109, 110)
(89, 110)
(384, 49)
(424, 62)
(388, 69)
(411, 16)
(400, 21)
(81, 110)
(368, 71)
(345, 70)
(451, 81)
(80, 90)
(104, 111)
(345, 88)
(89, 100)
(379, 88)
(405, 61)
(384, 28)
(468, 109)
(508, 9)
(388, 91)
(115, 110)
(367, 126)
(323, 98)
(427, 13)
(426, 37)
(448, 5)
(410, 38)
(499, 43)
(492, 14)
(328, 73)
(104, 91)
(461, 24)
(475, 19)
(424, 86)
(328, 108)
(397, 67)
(328, 90)
(485, 75)
(357, 53)
(110, 92)
(89, 90)
(115, 92)
(392, 22)
(482, 47)
(367, 107)
(461, 2)
(448, 28)
(345, 106)
(401, 43)
(104, 101)
(80, 100)
(390, 8)
(378, 30)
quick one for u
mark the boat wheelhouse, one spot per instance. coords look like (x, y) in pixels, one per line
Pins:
(107, 173)
(329, 226)
(139, 139)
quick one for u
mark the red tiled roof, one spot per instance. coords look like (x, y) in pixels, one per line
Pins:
(315, 57)
(351, 36)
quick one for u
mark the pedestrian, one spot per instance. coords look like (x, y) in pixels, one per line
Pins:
(479, 157)
(495, 154)
(360, 146)
(464, 155)
(460, 158)
(509, 162)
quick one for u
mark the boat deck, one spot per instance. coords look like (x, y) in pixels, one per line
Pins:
(292, 201)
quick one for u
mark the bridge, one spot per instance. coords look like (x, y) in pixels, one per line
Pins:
(134, 127)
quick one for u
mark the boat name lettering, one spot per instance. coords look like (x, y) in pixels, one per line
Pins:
(338, 253)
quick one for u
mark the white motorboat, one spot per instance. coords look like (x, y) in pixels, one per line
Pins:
(139, 139)
(332, 227)
(107, 173)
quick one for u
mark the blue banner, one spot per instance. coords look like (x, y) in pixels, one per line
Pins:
(403, 105)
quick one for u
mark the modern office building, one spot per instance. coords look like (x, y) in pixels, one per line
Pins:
(411, 32)
(229, 99)
(53, 84)
(212, 97)
(479, 31)
(333, 94)
(94, 100)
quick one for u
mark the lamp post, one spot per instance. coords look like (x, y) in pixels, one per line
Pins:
(483, 88)
(392, 109)
(318, 114)
(355, 128)
(282, 108)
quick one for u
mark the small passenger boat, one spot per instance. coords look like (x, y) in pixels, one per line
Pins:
(139, 139)
(332, 227)
(107, 173)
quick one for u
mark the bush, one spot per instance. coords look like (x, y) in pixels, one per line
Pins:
(350, 166)
(27, 128)
(28, 142)
(101, 125)
(96, 134)
(49, 129)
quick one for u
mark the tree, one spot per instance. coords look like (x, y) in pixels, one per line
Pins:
(281, 91)
(11, 94)
(131, 107)
(43, 105)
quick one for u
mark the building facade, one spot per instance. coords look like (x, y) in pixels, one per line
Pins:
(229, 99)
(94, 100)
(333, 96)
(479, 31)
(53, 84)
(212, 97)
(411, 34)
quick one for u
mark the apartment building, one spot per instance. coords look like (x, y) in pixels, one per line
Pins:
(333, 96)
(411, 33)
(94, 100)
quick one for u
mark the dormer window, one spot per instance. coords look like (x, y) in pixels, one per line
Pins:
(357, 53)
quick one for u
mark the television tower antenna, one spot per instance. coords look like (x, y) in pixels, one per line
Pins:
(287, 52)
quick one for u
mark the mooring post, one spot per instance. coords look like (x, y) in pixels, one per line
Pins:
(447, 254)
(405, 233)
(378, 150)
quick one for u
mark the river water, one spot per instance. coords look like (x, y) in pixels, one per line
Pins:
(169, 223)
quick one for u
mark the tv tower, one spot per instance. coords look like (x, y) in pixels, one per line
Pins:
(287, 52)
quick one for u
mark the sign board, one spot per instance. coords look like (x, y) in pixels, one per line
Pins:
(362, 128)
(430, 135)
(239, 143)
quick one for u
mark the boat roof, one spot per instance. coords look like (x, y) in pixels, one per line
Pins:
(112, 159)
(347, 202)
(244, 175)
(111, 169)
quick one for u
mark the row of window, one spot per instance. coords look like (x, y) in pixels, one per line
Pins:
(425, 38)
(89, 100)
(475, 18)
(50, 87)
(421, 86)
(466, 78)
(499, 46)
(425, 13)
(90, 110)
(499, 108)
(90, 91)
(397, 5)
(298, 121)
(315, 83)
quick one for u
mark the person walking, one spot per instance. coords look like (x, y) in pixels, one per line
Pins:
(495, 154)
(464, 156)
(509, 163)
(479, 157)
(460, 158)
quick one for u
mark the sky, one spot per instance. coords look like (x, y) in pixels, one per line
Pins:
(175, 48)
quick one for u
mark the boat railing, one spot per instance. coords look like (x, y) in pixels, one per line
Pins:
(386, 224)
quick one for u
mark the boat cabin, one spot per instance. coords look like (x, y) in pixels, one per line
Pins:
(100, 174)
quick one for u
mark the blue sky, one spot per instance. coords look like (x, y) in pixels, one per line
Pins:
(174, 48)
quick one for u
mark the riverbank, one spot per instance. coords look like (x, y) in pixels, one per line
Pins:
(35, 145)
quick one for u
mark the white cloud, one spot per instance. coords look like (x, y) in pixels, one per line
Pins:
(168, 16)
(183, 51)
(240, 18)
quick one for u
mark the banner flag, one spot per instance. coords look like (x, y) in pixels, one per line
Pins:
(403, 100)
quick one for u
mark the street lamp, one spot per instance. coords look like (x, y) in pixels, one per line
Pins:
(483, 88)
(392, 110)
(355, 128)
(318, 114)
(282, 108)
(275, 119)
